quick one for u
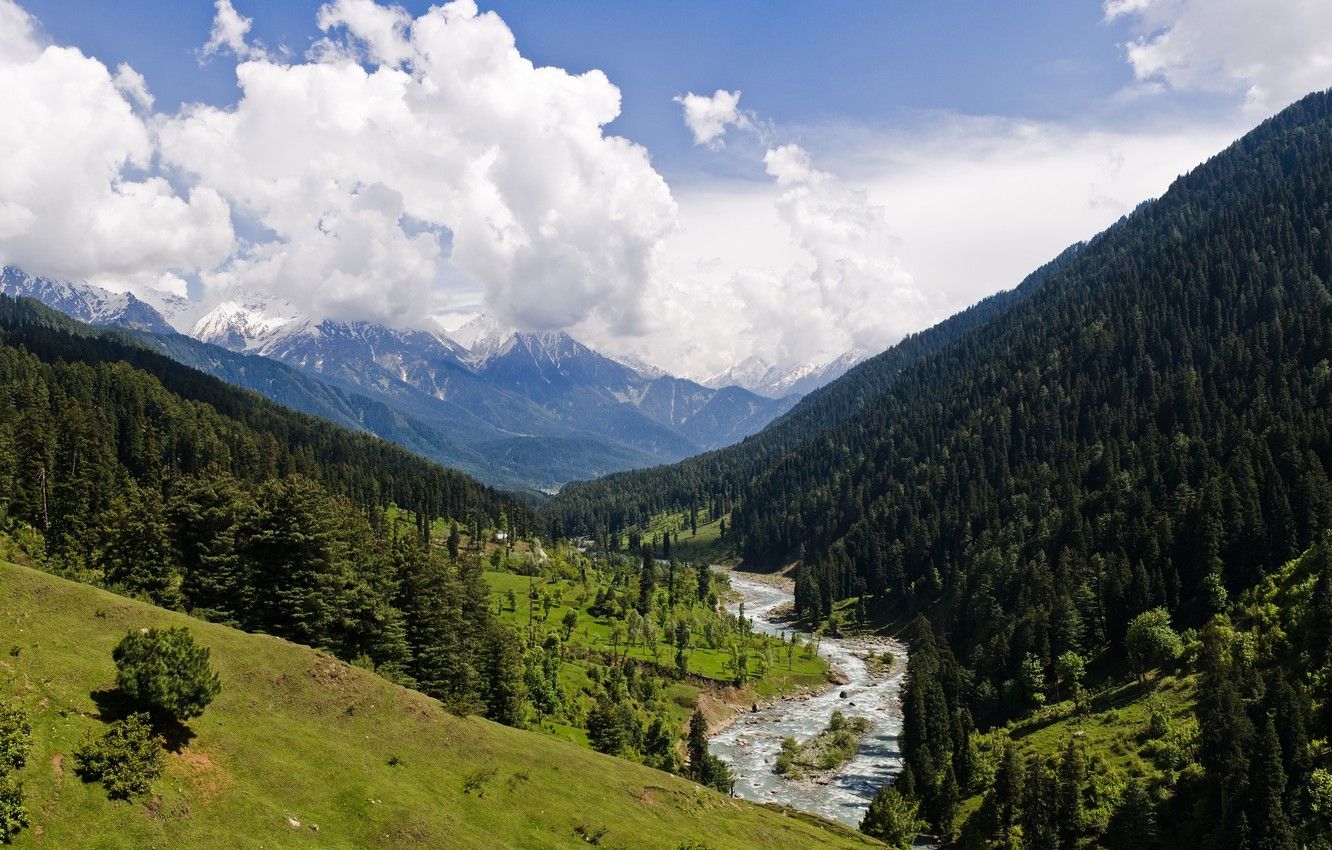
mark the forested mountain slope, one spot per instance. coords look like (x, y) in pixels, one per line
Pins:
(1149, 434)
(1157, 413)
(180, 421)
(717, 478)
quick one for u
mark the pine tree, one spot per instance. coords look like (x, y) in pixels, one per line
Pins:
(1068, 801)
(1133, 824)
(704, 767)
(204, 515)
(455, 540)
(1007, 789)
(1272, 826)
(647, 580)
(136, 552)
(1039, 814)
(703, 580)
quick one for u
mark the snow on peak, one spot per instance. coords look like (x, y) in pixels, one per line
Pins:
(243, 323)
(482, 336)
(643, 368)
(758, 376)
(89, 303)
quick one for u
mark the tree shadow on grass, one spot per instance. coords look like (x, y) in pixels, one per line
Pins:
(113, 705)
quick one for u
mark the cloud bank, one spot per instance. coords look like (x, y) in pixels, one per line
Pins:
(404, 143)
(1272, 52)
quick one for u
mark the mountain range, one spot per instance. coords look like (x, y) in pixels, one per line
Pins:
(759, 376)
(517, 410)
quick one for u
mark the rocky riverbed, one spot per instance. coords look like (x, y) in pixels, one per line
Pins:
(752, 742)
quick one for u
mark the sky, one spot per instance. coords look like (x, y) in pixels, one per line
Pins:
(691, 184)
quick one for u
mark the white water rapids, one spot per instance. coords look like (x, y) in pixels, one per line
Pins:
(750, 745)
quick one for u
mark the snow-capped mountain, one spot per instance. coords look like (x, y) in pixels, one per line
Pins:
(641, 366)
(88, 303)
(758, 376)
(482, 336)
(244, 323)
(536, 409)
(492, 384)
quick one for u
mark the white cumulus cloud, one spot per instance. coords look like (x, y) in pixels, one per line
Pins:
(228, 33)
(403, 144)
(709, 117)
(798, 271)
(74, 198)
(1271, 52)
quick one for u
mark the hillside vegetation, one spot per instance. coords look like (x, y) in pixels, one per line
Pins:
(301, 750)
(1143, 439)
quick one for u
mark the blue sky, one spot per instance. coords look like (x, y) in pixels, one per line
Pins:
(796, 63)
(864, 169)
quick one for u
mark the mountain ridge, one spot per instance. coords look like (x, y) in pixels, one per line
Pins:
(519, 410)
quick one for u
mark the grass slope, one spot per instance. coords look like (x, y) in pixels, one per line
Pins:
(298, 736)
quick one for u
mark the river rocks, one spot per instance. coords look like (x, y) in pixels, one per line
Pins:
(752, 744)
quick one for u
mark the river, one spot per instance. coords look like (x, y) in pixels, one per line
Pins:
(751, 744)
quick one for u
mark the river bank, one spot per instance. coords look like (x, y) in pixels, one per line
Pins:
(751, 742)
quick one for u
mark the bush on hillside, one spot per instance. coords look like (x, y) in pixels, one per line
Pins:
(164, 672)
(125, 759)
(13, 814)
(15, 737)
(892, 818)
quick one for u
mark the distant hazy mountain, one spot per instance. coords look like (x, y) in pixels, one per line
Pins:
(515, 409)
(758, 376)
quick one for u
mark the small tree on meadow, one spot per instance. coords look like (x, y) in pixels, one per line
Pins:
(13, 813)
(15, 741)
(1151, 641)
(1071, 668)
(164, 672)
(15, 737)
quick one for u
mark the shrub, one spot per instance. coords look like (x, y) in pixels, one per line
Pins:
(13, 814)
(166, 673)
(477, 779)
(15, 737)
(891, 818)
(125, 759)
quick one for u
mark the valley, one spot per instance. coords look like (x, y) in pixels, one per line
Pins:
(484, 425)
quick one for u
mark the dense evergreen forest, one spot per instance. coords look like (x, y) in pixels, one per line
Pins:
(122, 467)
(1143, 439)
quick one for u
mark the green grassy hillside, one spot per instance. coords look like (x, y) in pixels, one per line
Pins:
(301, 750)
